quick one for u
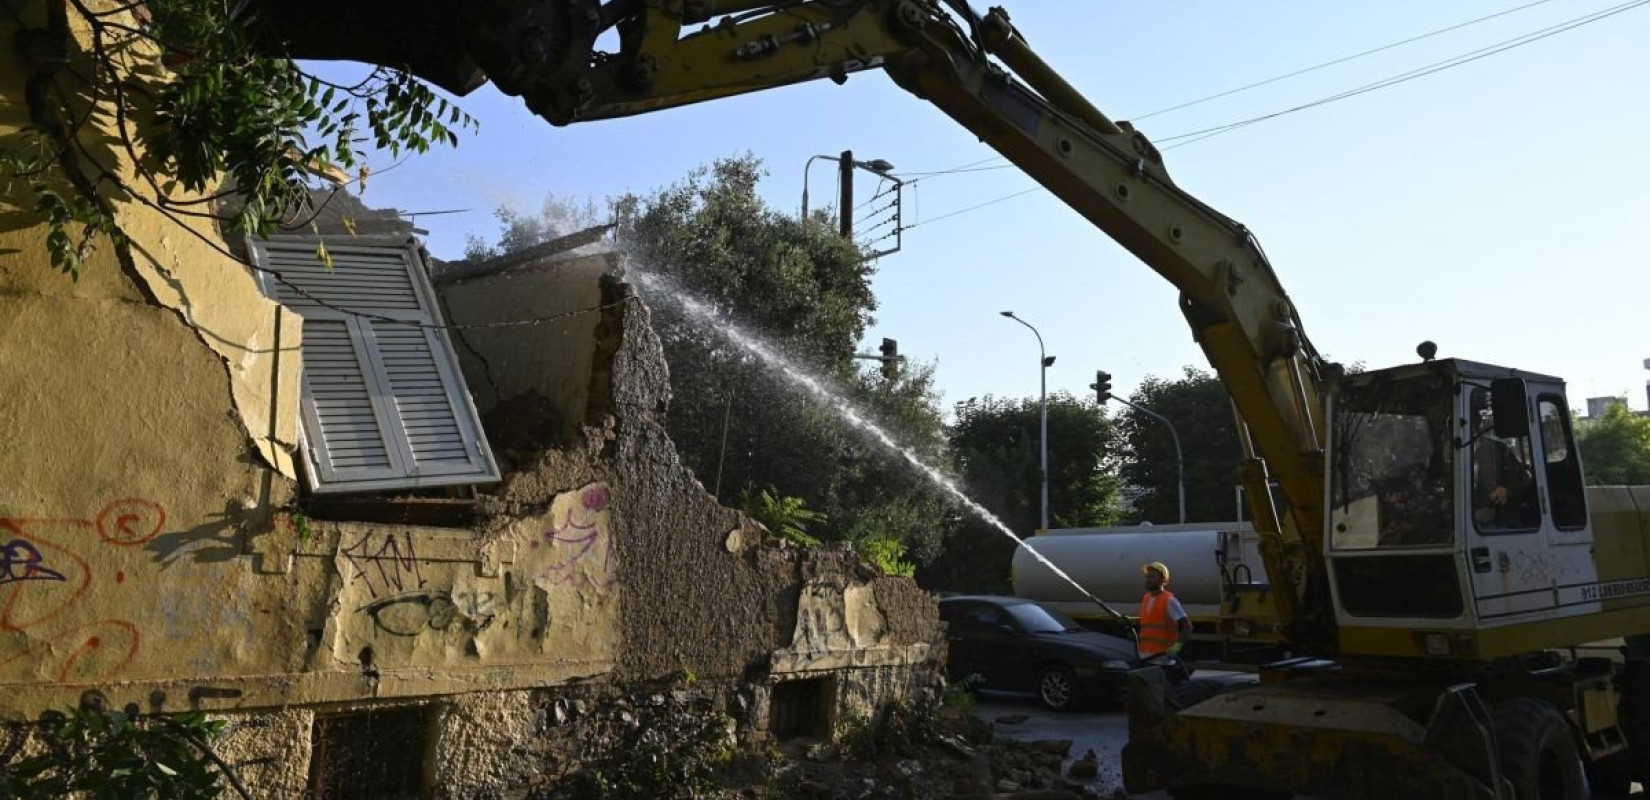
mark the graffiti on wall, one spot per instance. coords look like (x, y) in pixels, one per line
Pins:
(384, 563)
(45, 575)
(420, 598)
(578, 546)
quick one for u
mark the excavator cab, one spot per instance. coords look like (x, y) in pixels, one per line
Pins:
(1458, 522)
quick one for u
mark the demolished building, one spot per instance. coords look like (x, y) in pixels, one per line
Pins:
(393, 523)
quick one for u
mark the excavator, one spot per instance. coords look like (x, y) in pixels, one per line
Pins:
(1433, 561)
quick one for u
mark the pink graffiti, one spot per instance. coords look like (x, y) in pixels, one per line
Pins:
(577, 538)
(595, 498)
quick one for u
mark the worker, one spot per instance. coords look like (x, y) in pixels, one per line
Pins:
(1503, 488)
(1164, 626)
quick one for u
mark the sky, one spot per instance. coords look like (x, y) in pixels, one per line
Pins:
(1491, 208)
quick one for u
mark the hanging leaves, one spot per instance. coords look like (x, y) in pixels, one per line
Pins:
(216, 114)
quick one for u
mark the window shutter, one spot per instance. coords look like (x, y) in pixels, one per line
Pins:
(384, 403)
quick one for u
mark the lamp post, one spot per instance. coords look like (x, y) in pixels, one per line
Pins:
(1045, 361)
(1179, 460)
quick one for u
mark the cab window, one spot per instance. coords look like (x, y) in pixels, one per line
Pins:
(1504, 496)
(1391, 479)
(1564, 488)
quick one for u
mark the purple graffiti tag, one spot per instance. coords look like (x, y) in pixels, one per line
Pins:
(21, 561)
(392, 558)
(580, 539)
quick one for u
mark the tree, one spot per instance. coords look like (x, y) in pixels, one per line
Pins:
(996, 445)
(1615, 448)
(710, 255)
(1201, 411)
(159, 102)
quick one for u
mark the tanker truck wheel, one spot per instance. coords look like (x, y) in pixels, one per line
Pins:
(1537, 751)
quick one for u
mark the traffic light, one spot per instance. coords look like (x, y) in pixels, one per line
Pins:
(1102, 386)
(890, 359)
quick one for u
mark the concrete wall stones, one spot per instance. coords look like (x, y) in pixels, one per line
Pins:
(479, 747)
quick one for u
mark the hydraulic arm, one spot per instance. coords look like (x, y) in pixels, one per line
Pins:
(979, 70)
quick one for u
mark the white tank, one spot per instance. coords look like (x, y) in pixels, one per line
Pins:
(1108, 561)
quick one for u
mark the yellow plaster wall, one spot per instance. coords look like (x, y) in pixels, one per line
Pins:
(507, 362)
(147, 427)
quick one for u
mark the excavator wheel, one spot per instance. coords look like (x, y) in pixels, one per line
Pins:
(1538, 753)
(1635, 712)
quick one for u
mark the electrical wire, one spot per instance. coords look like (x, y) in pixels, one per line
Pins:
(994, 202)
(1503, 46)
(1341, 60)
(1191, 137)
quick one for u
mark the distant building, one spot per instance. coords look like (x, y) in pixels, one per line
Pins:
(1597, 405)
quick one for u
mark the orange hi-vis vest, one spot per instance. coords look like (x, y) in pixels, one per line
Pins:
(1157, 629)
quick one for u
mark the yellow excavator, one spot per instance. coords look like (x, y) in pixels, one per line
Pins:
(1433, 559)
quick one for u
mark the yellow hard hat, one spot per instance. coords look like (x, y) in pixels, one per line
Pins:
(1158, 567)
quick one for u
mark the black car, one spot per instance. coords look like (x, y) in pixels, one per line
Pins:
(1020, 645)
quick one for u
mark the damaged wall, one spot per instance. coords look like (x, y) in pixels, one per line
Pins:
(153, 545)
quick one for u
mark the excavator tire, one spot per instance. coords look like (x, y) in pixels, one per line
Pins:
(1538, 752)
(1635, 709)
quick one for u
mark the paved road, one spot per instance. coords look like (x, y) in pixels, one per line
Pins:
(1104, 732)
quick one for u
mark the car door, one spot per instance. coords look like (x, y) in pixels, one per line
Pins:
(975, 637)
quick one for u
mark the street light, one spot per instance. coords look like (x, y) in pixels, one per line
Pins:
(1045, 361)
(1102, 390)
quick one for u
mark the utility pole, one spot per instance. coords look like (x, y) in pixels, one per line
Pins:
(845, 174)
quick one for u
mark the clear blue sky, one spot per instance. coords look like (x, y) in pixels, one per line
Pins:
(1492, 208)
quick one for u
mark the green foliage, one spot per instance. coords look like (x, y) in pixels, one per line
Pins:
(806, 292)
(788, 517)
(1201, 410)
(219, 110)
(959, 695)
(997, 446)
(898, 730)
(674, 750)
(115, 755)
(73, 224)
(886, 553)
(1615, 448)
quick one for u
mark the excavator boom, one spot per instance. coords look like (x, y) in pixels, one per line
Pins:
(979, 70)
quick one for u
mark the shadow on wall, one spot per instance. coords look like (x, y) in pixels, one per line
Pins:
(219, 539)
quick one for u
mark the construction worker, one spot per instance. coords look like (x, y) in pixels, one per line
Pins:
(1164, 626)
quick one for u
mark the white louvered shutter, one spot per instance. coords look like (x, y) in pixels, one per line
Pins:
(385, 406)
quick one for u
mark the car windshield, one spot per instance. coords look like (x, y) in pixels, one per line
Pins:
(1036, 619)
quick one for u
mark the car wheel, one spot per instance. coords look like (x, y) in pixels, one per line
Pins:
(1057, 687)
